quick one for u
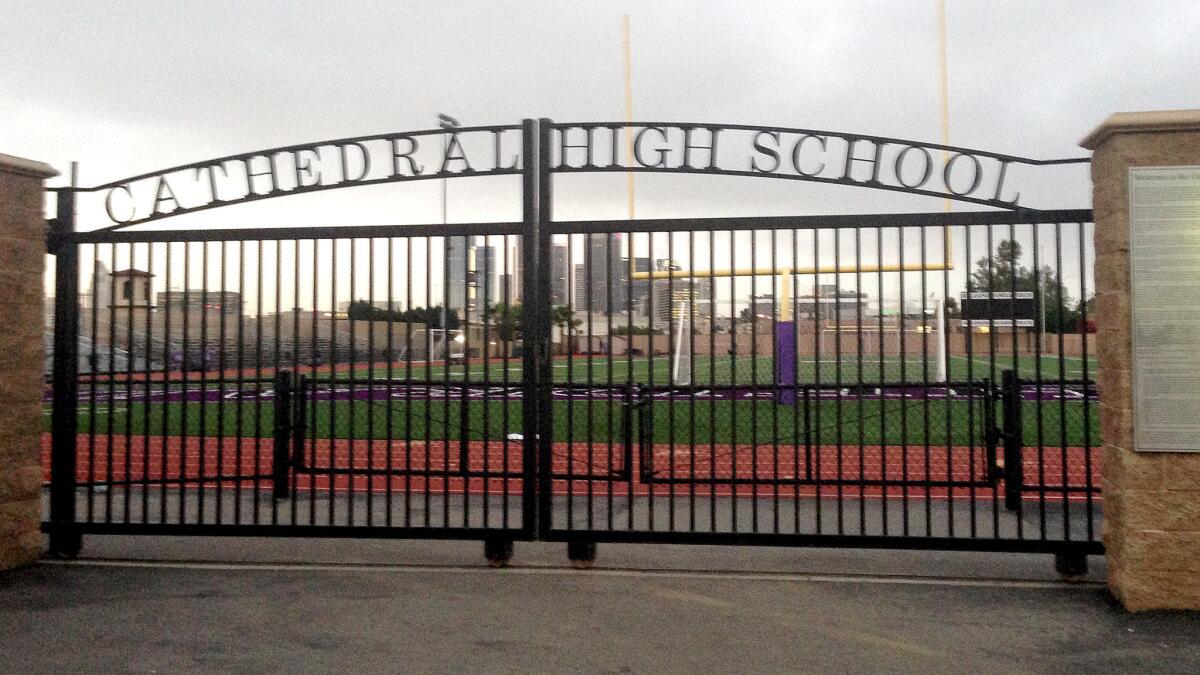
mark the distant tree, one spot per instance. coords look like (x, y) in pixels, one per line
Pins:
(507, 321)
(1090, 325)
(564, 318)
(1003, 272)
(635, 330)
(952, 309)
(361, 310)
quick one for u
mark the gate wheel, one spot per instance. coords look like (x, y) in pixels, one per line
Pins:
(581, 554)
(498, 552)
(65, 545)
(1071, 567)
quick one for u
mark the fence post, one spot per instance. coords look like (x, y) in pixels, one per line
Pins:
(22, 384)
(283, 434)
(64, 541)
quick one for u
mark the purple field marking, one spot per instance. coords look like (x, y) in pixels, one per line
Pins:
(1049, 392)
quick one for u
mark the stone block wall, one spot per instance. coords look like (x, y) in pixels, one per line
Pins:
(1151, 500)
(22, 267)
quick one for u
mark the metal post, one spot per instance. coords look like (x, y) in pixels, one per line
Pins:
(628, 415)
(65, 540)
(283, 434)
(1013, 440)
(542, 339)
(991, 434)
(808, 434)
(534, 298)
(299, 422)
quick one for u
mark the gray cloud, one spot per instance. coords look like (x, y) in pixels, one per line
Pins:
(126, 87)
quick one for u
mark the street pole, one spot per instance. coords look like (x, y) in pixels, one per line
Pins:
(446, 122)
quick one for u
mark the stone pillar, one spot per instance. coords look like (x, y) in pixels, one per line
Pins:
(1151, 499)
(22, 267)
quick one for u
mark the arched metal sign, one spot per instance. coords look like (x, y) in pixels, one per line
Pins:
(858, 160)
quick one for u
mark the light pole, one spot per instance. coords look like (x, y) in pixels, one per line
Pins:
(446, 122)
(1042, 279)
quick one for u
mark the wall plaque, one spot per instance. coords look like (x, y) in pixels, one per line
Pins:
(1164, 254)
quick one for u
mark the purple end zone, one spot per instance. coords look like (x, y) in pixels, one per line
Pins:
(785, 362)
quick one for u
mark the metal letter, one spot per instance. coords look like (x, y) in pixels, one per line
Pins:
(496, 139)
(414, 169)
(303, 168)
(251, 175)
(563, 146)
(712, 147)
(1000, 185)
(773, 153)
(898, 166)
(637, 147)
(212, 179)
(363, 154)
(851, 159)
(796, 155)
(108, 205)
(450, 156)
(616, 141)
(975, 180)
(163, 193)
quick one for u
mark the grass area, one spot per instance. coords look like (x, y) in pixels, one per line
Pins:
(748, 369)
(896, 422)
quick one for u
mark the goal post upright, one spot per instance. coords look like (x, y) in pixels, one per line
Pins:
(681, 373)
(785, 328)
(943, 344)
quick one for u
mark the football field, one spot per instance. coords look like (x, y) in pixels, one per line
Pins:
(483, 401)
(749, 369)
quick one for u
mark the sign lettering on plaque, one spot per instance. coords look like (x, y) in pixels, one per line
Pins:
(1164, 254)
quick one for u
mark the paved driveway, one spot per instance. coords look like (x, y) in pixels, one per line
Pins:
(245, 605)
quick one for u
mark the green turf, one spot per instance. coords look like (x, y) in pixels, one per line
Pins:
(748, 369)
(761, 422)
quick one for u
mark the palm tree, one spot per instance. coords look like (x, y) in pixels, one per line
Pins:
(507, 320)
(568, 325)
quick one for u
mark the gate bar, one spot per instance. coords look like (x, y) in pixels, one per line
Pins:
(1014, 469)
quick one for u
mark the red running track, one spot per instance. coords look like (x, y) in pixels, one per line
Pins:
(179, 460)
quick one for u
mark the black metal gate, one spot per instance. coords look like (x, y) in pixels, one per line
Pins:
(779, 381)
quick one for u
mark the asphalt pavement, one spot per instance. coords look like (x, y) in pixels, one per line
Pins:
(160, 604)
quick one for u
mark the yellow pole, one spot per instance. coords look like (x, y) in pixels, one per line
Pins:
(944, 85)
(628, 114)
(943, 365)
(944, 90)
(785, 295)
(767, 272)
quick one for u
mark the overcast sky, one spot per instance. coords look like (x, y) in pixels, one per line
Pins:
(126, 87)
